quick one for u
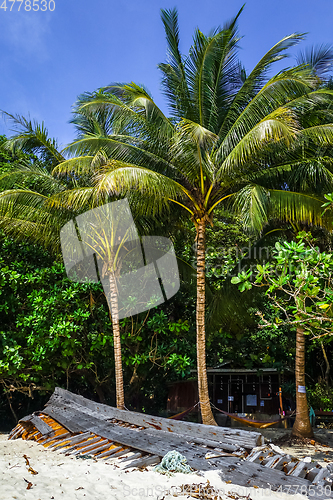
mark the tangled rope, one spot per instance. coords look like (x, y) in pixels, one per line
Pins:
(172, 462)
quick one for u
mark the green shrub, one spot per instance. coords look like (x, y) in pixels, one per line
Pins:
(320, 396)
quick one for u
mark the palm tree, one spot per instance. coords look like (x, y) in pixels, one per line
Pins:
(35, 205)
(231, 138)
(110, 234)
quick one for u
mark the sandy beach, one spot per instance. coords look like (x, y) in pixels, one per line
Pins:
(54, 476)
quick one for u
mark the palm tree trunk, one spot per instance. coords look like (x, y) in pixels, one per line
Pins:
(302, 426)
(206, 412)
(116, 342)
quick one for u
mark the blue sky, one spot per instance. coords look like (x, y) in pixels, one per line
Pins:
(48, 58)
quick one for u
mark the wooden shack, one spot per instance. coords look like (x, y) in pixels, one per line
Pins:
(234, 390)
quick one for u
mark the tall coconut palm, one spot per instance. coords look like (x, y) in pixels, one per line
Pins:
(230, 138)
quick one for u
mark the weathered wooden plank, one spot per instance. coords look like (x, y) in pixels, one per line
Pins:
(78, 447)
(13, 431)
(69, 440)
(119, 454)
(31, 436)
(147, 440)
(53, 438)
(156, 436)
(250, 474)
(73, 445)
(26, 419)
(73, 422)
(288, 468)
(175, 438)
(101, 448)
(132, 457)
(273, 461)
(293, 468)
(93, 443)
(253, 456)
(260, 456)
(40, 425)
(270, 478)
(270, 457)
(323, 473)
(109, 452)
(18, 430)
(231, 436)
(42, 439)
(280, 465)
(155, 443)
(143, 462)
(300, 470)
(311, 475)
(207, 442)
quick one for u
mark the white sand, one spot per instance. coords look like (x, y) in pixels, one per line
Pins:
(64, 477)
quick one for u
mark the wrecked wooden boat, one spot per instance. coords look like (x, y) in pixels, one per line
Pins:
(71, 424)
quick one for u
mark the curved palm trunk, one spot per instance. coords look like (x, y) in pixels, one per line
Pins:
(206, 412)
(116, 342)
(302, 426)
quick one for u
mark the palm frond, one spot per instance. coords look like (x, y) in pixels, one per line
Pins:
(47, 234)
(313, 175)
(319, 58)
(251, 203)
(174, 82)
(226, 74)
(119, 178)
(26, 215)
(201, 136)
(293, 206)
(319, 134)
(310, 174)
(80, 165)
(256, 79)
(32, 137)
(122, 148)
(78, 200)
(31, 174)
(213, 72)
(287, 85)
(279, 126)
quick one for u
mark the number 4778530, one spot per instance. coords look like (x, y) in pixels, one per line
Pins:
(34, 5)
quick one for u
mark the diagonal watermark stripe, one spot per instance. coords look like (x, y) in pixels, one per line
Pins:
(103, 244)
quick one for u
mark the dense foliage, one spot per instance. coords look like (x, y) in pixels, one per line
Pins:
(58, 332)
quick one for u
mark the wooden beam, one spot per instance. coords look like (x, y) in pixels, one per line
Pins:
(143, 462)
(41, 426)
(61, 398)
(118, 454)
(94, 443)
(110, 452)
(132, 457)
(53, 438)
(76, 449)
